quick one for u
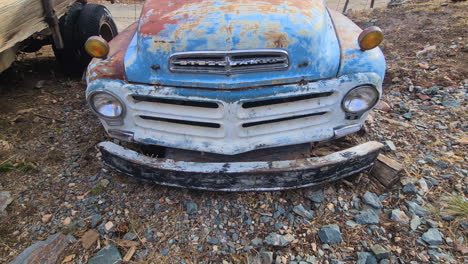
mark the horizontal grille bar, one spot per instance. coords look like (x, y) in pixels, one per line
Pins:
(227, 62)
(251, 124)
(175, 102)
(284, 100)
(182, 122)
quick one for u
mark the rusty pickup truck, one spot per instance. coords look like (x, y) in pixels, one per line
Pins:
(232, 95)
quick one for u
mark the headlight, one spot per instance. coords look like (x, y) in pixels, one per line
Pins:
(360, 99)
(106, 105)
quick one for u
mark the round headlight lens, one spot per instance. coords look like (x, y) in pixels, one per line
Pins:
(360, 99)
(107, 105)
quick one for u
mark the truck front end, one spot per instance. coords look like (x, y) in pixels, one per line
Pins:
(233, 93)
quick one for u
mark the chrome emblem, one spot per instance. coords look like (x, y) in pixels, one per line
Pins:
(228, 62)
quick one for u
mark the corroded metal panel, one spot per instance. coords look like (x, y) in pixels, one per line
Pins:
(302, 28)
(353, 59)
(242, 176)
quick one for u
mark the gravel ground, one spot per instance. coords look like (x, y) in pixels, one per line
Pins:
(52, 181)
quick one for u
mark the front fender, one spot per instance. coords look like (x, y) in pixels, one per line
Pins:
(112, 67)
(353, 59)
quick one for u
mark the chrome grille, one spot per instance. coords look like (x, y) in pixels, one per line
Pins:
(228, 62)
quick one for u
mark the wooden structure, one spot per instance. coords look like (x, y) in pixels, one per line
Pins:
(20, 20)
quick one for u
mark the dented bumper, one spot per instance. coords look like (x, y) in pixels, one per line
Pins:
(241, 176)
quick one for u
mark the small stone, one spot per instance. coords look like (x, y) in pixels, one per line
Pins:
(416, 208)
(330, 234)
(257, 242)
(432, 237)
(431, 91)
(372, 199)
(410, 188)
(300, 210)
(380, 252)
(389, 146)
(415, 222)
(277, 240)
(368, 217)
(39, 84)
(366, 258)
(46, 218)
(316, 196)
(266, 257)
(165, 251)
(451, 103)
(383, 106)
(407, 116)
(108, 226)
(130, 236)
(67, 221)
(47, 251)
(212, 241)
(89, 238)
(107, 255)
(5, 200)
(105, 182)
(399, 216)
(96, 220)
(190, 207)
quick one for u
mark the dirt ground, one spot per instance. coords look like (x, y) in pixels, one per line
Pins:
(51, 166)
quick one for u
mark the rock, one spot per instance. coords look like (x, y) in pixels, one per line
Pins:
(366, 258)
(190, 207)
(67, 221)
(108, 226)
(351, 223)
(46, 218)
(432, 237)
(266, 257)
(96, 220)
(47, 251)
(89, 238)
(407, 116)
(416, 208)
(107, 255)
(399, 216)
(383, 106)
(130, 236)
(451, 103)
(389, 145)
(5, 200)
(431, 91)
(165, 251)
(415, 222)
(39, 84)
(394, 3)
(372, 199)
(212, 241)
(316, 196)
(368, 217)
(273, 239)
(257, 242)
(380, 252)
(330, 234)
(300, 210)
(427, 48)
(5, 147)
(439, 257)
(423, 97)
(410, 188)
(105, 182)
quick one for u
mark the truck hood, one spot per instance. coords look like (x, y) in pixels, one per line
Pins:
(301, 28)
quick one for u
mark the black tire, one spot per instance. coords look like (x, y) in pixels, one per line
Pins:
(69, 55)
(80, 24)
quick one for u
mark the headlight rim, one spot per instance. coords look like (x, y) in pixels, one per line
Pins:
(91, 104)
(377, 98)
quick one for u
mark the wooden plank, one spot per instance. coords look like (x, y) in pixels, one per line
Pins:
(22, 18)
(386, 171)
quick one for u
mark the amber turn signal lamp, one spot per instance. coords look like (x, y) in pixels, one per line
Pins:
(370, 38)
(97, 47)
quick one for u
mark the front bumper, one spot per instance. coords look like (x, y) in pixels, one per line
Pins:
(242, 176)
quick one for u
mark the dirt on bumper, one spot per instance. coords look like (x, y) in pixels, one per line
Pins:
(242, 176)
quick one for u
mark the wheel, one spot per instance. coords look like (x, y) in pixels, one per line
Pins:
(69, 55)
(80, 23)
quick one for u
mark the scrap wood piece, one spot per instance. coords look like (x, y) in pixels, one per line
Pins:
(386, 171)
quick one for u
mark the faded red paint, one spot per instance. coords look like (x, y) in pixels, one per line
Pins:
(113, 67)
(156, 14)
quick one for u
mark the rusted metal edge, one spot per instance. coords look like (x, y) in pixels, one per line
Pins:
(241, 176)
